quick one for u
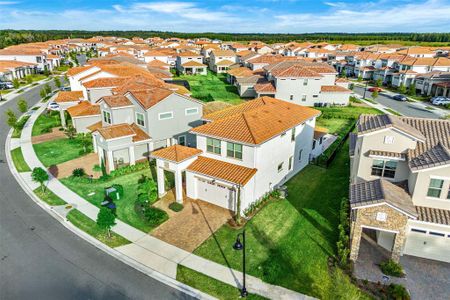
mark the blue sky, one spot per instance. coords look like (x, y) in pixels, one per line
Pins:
(270, 16)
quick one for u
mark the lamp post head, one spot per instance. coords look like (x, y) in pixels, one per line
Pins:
(238, 245)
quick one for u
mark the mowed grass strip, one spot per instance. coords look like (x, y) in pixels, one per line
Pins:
(89, 226)
(58, 151)
(49, 197)
(210, 285)
(19, 160)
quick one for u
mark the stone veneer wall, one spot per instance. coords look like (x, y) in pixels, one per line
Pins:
(367, 216)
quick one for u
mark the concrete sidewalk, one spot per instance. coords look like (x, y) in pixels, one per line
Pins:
(145, 249)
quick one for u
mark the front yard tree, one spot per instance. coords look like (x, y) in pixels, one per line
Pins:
(106, 219)
(40, 176)
(103, 167)
(85, 140)
(70, 131)
(22, 105)
(375, 95)
(360, 78)
(11, 118)
(43, 93)
(412, 89)
(29, 79)
(57, 82)
(47, 88)
(402, 88)
(16, 83)
(379, 82)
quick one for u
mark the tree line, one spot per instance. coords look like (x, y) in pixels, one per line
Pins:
(13, 37)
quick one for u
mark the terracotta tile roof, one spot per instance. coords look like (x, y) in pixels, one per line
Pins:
(69, 96)
(255, 121)
(320, 131)
(176, 153)
(299, 68)
(105, 82)
(193, 64)
(157, 63)
(95, 126)
(224, 53)
(342, 80)
(221, 170)
(151, 96)
(215, 106)
(138, 83)
(21, 50)
(123, 130)
(77, 70)
(240, 72)
(12, 64)
(265, 86)
(189, 54)
(381, 191)
(387, 154)
(224, 62)
(334, 89)
(369, 123)
(433, 215)
(84, 109)
(116, 101)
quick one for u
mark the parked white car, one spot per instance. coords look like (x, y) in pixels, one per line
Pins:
(440, 101)
(53, 106)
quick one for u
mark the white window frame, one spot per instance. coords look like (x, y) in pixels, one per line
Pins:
(187, 113)
(143, 119)
(167, 112)
(107, 113)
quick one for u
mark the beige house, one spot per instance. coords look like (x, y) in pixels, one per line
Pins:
(400, 185)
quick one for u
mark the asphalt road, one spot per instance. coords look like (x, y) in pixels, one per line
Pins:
(409, 109)
(41, 259)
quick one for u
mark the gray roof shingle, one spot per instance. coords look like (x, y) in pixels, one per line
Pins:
(433, 215)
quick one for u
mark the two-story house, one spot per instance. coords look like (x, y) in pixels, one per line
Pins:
(400, 185)
(189, 62)
(243, 152)
(221, 60)
(137, 122)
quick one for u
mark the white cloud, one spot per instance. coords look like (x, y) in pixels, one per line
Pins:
(8, 2)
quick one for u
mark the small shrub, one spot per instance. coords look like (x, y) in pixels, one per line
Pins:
(96, 168)
(155, 216)
(176, 207)
(391, 268)
(47, 129)
(78, 172)
(129, 169)
(398, 292)
(119, 189)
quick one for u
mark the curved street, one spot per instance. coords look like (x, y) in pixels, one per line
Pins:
(41, 259)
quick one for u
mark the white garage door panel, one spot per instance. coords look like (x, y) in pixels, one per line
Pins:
(215, 194)
(428, 246)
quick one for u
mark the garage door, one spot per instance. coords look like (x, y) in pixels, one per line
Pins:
(215, 193)
(428, 244)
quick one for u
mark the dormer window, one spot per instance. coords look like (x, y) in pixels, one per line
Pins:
(384, 168)
(140, 119)
(107, 117)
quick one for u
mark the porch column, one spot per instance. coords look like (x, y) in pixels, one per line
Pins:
(399, 241)
(445, 92)
(94, 143)
(63, 117)
(110, 159)
(160, 179)
(355, 241)
(178, 186)
(131, 155)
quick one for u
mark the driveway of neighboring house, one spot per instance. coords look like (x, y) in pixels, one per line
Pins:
(425, 278)
(87, 162)
(190, 227)
(55, 134)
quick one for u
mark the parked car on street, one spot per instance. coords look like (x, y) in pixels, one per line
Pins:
(400, 97)
(64, 88)
(441, 101)
(5, 85)
(53, 106)
(373, 89)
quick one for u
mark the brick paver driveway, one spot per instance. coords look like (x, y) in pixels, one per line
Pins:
(190, 227)
(55, 134)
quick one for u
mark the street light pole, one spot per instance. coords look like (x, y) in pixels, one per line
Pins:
(241, 246)
(365, 89)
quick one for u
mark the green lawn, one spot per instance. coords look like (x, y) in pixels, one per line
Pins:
(289, 241)
(125, 206)
(335, 126)
(212, 87)
(19, 161)
(49, 197)
(58, 151)
(45, 122)
(210, 285)
(90, 227)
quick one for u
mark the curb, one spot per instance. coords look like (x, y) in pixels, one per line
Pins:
(128, 261)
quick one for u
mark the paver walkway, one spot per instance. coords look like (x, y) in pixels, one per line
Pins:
(148, 250)
(190, 227)
(87, 162)
(55, 134)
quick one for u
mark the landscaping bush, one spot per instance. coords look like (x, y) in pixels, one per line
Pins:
(155, 216)
(392, 268)
(176, 207)
(355, 100)
(46, 129)
(119, 189)
(397, 292)
(129, 169)
(78, 172)
(342, 244)
(149, 189)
